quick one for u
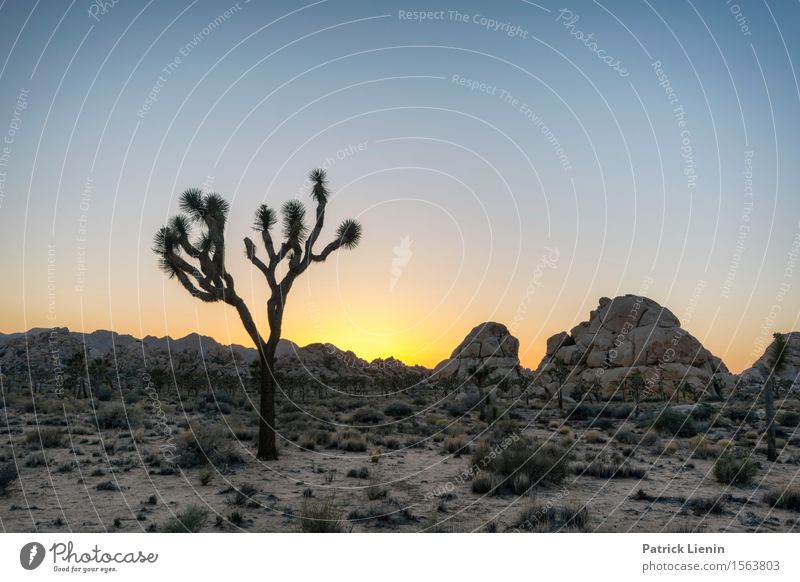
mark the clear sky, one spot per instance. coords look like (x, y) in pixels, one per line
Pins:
(509, 161)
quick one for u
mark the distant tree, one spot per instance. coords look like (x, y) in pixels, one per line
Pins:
(200, 267)
(776, 360)
(559, 373)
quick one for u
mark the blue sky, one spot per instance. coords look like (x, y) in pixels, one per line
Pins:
(482, 148)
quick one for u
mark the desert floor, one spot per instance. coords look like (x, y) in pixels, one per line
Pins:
(398, 465)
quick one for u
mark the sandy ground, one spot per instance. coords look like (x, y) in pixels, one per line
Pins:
(138, 491)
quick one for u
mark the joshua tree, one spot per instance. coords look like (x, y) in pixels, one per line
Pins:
(203, 272)
(776, 358)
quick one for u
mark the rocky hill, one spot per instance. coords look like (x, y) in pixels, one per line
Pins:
(56, 356)
(788, 377)
(631, 343)
(489, 353)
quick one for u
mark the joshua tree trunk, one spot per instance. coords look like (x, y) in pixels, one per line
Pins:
(267, 447)
(769, 404)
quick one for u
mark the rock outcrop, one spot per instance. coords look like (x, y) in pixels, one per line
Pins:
(753, 378)
(630, 343)
(488, 354)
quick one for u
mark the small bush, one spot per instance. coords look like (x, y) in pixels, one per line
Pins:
(540, 462)
(47, 438)
(8, 474)
(702, 506)
(674, 423)
(552, 518)
(351, 440)
(398, 409)
(485, 483)
(605, 470)
(456, 445)
(206, 476)
(107, 486)
(320, 517)
(206, 444)
(788, 498)
(789, 418)
(103, 393)
(367, 415)
(627, 437)
(190, 520)
(732, 470)
(593, 436)
(359, 473)
(702, 448)
(117, 416)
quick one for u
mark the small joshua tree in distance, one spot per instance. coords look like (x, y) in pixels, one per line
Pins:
(200, 267)
(776, 359)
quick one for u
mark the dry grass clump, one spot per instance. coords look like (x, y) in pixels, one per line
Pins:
(47, 438)
(786, 498)
(350, 440)
(313, 438)
(207, 444)
(593, 436)
(367, 415)
(703, 448)
(320, 517)
(552, 518)
(486, 483)
(8, 474)
(732, 470)
(456, 445)
(540, 462)
(190, 520)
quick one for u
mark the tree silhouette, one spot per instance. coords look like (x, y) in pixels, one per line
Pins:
(776, 359)
(200, 268)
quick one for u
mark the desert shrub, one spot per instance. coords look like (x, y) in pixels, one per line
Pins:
(367, 415)
(103, 393)
(585, 411)
(670, 448)
(107, 486)
(732, 470)
(593, 436)
(206, 476)
(320, 517)
(789, 418)
(627, 437)
(552, 518)
(350, 440)
(206, 444)
(520, 484)
(242, 495)
(314, 438)
(607, 470)
(47, 438)
(398, 409)
(388, 510)
(740, 415)
(702, 448)
(540, 462)
(485, 483)
(702, 506)
(35, 460)
(376, 491)
(455, 445)
(672, 422)
(703, 411)
(117, 416)
(358, 473)
(8, 474)
(787, 498)
(190, 520)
